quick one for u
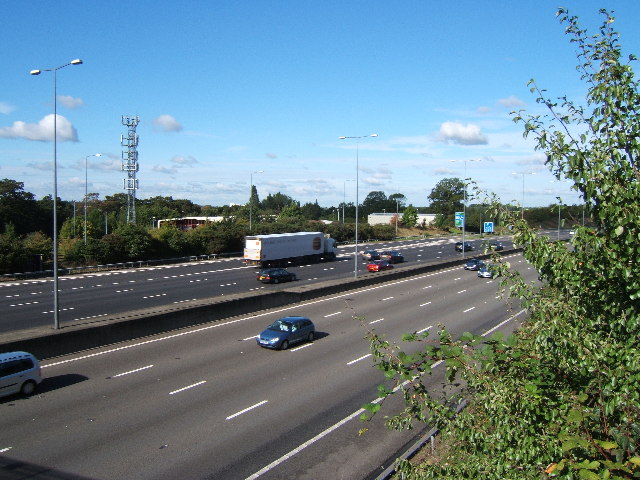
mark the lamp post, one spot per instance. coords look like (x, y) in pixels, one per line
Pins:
(523, 174)
(344, 196)
(86, 159)
(251, 198)
(397, 214)
(77, 61)
(559, 204)
(464, 205)
(355, 258)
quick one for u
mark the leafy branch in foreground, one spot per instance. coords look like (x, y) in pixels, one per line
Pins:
(561, 397)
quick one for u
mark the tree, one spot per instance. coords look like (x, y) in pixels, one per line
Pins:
(275, 203)
(375, 202)
(410, 217)
(561, 397)
(19, 208)
(447, 196)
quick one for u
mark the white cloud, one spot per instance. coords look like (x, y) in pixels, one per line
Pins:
(184, 161)
(167, 123)
(166, 170)
(70, 102)
(511, 101)
(483, 110)
(41, 131)
(457, 133)
(271, 155)
(5, 108)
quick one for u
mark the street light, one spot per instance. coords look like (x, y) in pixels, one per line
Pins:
(464, 205)
(77, 61)
(85, 192)
(344, 196)
(355, 259)
(523, 174)
(251, 197)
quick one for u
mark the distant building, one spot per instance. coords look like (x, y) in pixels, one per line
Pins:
(188, 223)
(386, 218)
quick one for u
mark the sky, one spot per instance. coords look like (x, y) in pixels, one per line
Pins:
(232, 92)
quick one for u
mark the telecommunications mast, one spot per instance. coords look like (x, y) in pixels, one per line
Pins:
(130, 165)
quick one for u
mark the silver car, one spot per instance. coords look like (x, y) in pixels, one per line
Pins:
(19, 373)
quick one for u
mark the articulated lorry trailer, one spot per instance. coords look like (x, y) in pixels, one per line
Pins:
(281, 249)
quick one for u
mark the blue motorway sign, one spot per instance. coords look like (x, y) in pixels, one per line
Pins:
(459, 219)
(488, 227)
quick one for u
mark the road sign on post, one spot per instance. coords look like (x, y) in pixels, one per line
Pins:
(459, 219)
(488, 227)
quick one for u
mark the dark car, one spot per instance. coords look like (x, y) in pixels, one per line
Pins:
(379, 265)
(286, 331)
(371, 255)
(496, 246)
(392, 256)
(474, 264)
(275, 275)
(467, 247)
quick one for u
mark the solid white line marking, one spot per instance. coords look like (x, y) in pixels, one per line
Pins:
(376, 321)
(249, 338)
(132, 371)
(301, 347)
(247, 409)
(358, 359)
(425, 329)
(187, 387)
(423, 304)
(468, 310)
(2, 450)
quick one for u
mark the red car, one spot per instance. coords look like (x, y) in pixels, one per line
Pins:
(379, 265)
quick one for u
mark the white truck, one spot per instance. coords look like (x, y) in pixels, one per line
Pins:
(280, 249)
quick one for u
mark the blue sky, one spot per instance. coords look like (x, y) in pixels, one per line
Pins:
(223, 89)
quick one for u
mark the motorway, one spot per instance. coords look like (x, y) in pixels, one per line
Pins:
(87, 298)
(207, 402)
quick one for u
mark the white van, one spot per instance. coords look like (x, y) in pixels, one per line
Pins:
(19, 373)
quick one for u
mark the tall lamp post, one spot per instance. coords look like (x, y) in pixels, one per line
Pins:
(355, 257)
(523, 174)
(344, 196)
(464, 205)
(86, 159)
(77, 61)
(251, 198)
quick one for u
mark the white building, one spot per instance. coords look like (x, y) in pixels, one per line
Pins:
(386, 218)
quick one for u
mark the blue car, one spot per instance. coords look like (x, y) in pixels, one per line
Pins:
(286, 331)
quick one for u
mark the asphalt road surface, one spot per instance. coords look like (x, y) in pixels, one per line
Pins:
(208, 403)
(90, 297)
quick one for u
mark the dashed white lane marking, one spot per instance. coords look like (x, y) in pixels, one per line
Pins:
(358, 359)
(132, 371)
(376, 321)
(187, 387)
(6, 449)
(385, 299)
(247, 409)
(468, 309)
(332, 314)
(425, 304)
(425, 329)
